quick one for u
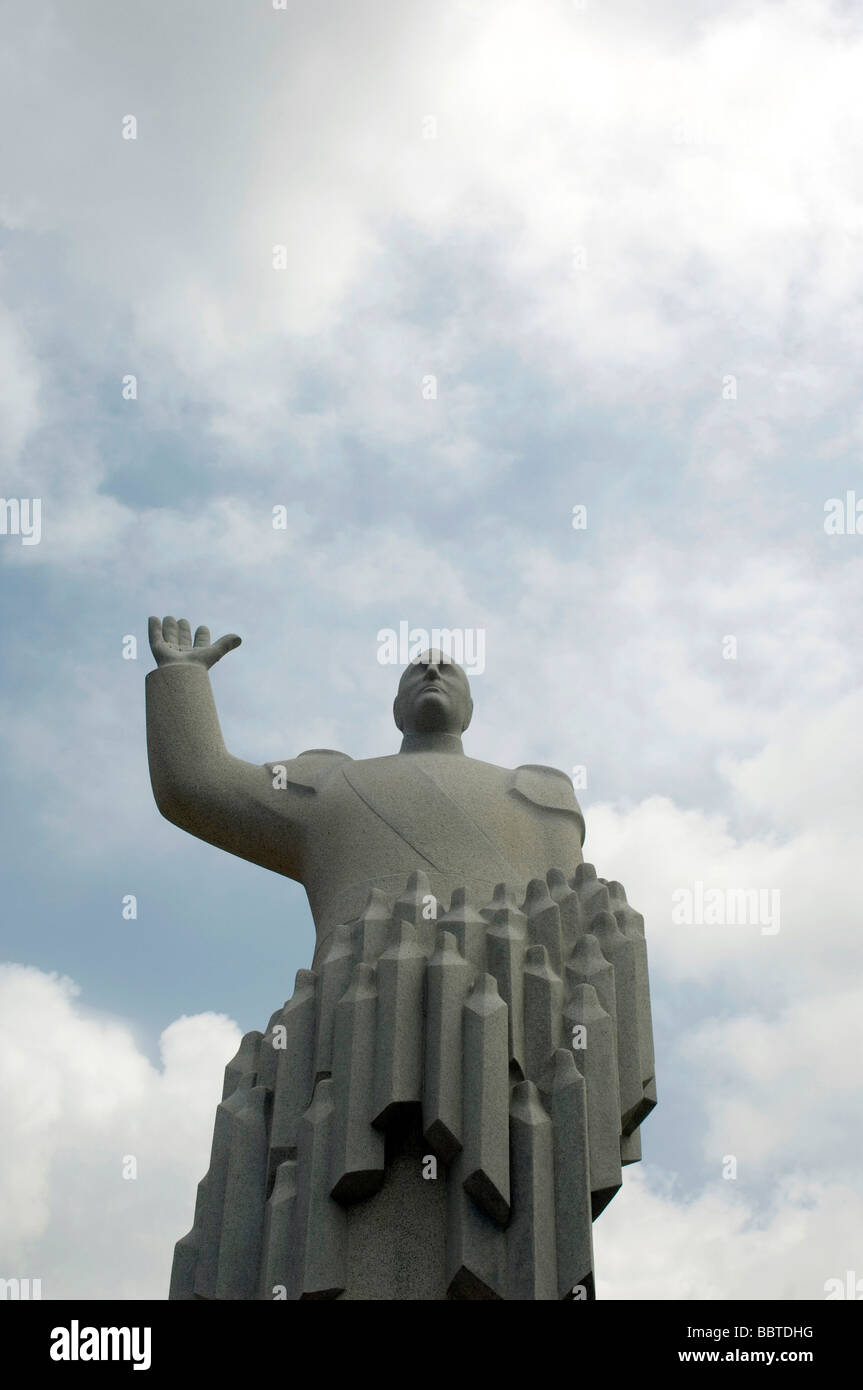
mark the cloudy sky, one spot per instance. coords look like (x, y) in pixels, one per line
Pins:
(429, 277)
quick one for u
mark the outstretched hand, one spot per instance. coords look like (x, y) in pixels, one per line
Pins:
(171, 641)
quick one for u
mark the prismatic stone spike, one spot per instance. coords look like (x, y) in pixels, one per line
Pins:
(619, 952)
(399, 1043)
(448, 979)
(616, 894)
(357, 1148)
(631, 923)
(475, 1245)
(505, 943)
(370, 931)
(630, 1148)
(240, 1246)
(244, 1063)
(503, 908)
(588, 966)
(317, 1263)
(543, 1005)
(418, 905)
(593, 898)
(531, 1239)
(564, 1095)
(335, 973)
(268, 1057)
(186, 1252)
(182, 1286)
(595, 1049)
(413, 899)
(295, 1070)
(563, 893)
(485, 1089)
(212, 1215)
(544, 922)
(584, 874)
(468, 926)
(279, 1231)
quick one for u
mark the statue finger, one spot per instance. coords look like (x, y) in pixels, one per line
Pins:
(169, 630)
(184, 635)
(223, 645)
(155, 633)
(202, 637)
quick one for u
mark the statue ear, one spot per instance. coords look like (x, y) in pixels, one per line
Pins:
(469, 716)
(397, 715)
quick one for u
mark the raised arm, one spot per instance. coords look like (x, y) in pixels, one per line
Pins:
(196, 782)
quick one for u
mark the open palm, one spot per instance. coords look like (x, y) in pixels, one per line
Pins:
(171, 641)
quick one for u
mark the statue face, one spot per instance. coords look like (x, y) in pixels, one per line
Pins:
(433, 697)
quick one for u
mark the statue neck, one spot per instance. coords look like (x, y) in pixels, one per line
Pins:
(431, 743)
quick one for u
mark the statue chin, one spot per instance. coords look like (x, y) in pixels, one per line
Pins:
(432, 717)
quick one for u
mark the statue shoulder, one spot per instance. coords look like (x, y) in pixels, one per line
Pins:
(325, 754)
(545, 786)
(310, 768)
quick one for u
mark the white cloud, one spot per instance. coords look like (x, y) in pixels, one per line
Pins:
(652, 1244)
(689, 169)
(19, 392)
(783, 1090)
(77, 1096)
(810, 771)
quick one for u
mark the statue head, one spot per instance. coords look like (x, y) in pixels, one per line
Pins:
(433, 697)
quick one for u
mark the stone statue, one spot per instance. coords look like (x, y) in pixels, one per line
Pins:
(445, 1103)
